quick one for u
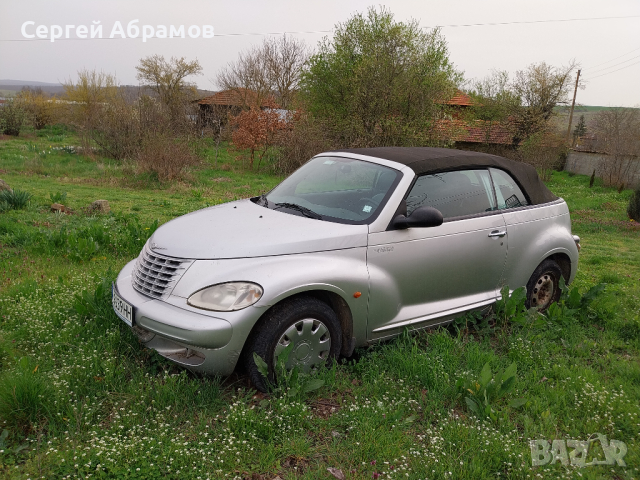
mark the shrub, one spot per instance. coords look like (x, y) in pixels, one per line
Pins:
(39, 109)
(14, 199)
(117, 130)
(546, 151)
(307, 137)
(166, 157)
(12, 117)
(257, 130)
(633, 210)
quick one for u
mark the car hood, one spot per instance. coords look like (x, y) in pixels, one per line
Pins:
(243, 229)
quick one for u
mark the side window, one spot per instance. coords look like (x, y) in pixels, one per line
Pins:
(455, 194)
(508, 192)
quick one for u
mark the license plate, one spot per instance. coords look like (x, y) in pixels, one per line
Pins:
(123, 309)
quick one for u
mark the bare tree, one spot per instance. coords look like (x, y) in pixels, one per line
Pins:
(167, 78)
(86, 100)
(617, 132)
(540, 87)
(285, 58)
(527, 102)
(271, 69)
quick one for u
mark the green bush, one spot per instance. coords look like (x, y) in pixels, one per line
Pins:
(14, 199)
(633, 210)
(58, 197)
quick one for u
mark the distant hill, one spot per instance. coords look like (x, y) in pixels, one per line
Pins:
(17, 85)
(8, 88)
(588, 111)
(30, 83)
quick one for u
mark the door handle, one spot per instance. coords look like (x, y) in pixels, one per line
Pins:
(497, 233)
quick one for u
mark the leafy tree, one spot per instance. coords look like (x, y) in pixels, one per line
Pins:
(581, 129)
(257, 130)
(494, 99)
(167, 78)
(379, 81)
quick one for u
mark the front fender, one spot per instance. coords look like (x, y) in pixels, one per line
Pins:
(342, 272)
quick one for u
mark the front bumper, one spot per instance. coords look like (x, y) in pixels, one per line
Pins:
(198, 341)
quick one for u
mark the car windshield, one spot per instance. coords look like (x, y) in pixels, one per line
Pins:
(335, 189)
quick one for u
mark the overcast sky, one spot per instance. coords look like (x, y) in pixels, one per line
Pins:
(600, 46)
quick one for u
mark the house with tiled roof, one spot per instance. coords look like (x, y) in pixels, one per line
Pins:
(465, 132)
(461, 100)
(215, 109)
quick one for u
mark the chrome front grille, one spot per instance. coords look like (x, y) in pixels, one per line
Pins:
(155, 275)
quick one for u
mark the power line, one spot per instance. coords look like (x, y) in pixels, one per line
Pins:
(531, 21)
(215, 35)
(603, 74)
(615, 64)
(615, 58)
(241, 34)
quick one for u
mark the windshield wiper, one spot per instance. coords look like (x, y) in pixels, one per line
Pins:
(304, 210)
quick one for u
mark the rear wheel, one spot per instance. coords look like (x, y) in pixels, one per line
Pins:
(543, 288)
(308, 324)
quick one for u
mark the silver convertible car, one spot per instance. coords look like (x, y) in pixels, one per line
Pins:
(354, 247)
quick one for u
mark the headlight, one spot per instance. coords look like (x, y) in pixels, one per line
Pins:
(226, 297)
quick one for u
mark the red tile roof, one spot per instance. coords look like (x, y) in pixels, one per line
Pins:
(476, 131)
(237, 98)
(461, 99)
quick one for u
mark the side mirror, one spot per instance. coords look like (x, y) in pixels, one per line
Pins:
(420, 217)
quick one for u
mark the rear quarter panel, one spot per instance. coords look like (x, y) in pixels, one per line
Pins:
(535, 233)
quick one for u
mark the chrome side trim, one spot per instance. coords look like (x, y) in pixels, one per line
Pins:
(435, 315)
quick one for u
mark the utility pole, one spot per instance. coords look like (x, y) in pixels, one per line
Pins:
(573, 104)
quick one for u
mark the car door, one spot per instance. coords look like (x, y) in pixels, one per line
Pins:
(420, 275)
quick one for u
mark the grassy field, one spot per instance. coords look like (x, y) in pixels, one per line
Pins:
(80, 398)
(589, 112)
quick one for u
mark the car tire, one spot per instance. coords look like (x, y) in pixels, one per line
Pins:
(309, 323)
(543, 288)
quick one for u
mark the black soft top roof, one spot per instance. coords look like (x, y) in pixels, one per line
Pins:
(424, 160)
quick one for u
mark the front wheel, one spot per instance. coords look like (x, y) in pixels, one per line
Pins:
(543, 288)
(308, 324)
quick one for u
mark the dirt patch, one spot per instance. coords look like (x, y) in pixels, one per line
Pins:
(43, 224)
(612, 207)
(324, 407)
(589, 216)
(297, 464)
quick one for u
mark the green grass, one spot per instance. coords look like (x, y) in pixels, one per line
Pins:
(80, 397)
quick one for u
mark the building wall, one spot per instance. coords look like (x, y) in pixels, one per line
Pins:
(584, 163)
